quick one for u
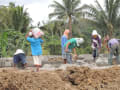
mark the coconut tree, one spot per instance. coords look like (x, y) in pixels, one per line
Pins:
(66, 9)
(5, 19)
(107, 18)
(14, 17)
(20, 19)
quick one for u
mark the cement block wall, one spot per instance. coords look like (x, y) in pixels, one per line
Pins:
(86, 58)
(8, 62)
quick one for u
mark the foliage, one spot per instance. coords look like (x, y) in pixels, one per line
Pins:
(67, 9)
(20, 18)
(3, 43)
(53, 45)
(14, 17)
(107, 19)
(14, 22)
(11, 40)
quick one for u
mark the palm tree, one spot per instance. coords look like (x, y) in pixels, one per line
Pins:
(107, 18)
(20, 19)
(67, 9)
(14, 17)
(5, 20)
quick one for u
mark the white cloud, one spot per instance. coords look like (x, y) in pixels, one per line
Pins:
(39, 11)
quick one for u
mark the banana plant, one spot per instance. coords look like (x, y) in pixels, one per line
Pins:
(3, 44)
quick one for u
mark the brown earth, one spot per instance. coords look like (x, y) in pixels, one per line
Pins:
(21, 80)
(85, 78)
(55, 59)
(74, 78)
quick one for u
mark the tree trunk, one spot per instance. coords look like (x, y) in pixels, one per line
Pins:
(70, 26)
(110, 28)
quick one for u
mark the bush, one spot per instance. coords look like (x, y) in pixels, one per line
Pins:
(53, 46)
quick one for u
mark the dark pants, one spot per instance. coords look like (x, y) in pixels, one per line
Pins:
(19, 59)
(95, 53)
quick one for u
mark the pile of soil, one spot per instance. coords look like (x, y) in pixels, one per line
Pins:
(73, 78)
(44, 80)
(85, 78)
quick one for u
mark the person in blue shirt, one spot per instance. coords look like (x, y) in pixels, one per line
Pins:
(36, 49)
(64, 39)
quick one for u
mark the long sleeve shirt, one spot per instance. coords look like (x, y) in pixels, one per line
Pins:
(112, 42)
(35, 45)
(96, 42)
(63, 41)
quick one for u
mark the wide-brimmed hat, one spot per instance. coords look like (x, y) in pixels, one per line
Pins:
(94, 33)
(79, 41)
(18, 51)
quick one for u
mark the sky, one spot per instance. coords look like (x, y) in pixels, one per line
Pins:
(39, 9)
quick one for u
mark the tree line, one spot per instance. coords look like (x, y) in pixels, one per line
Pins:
(15, 22)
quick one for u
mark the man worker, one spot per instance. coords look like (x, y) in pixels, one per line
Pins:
(113, 49)
(71, 45)
(113, 45)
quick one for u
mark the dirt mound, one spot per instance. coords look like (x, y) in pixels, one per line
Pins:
(44, 80)
(74, 78)
(85, 78)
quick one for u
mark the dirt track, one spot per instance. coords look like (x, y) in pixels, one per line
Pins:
(74, 78)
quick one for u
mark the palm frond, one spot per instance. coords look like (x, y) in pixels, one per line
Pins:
(101, 10)
(107, 5)
(116, 7)
(57, 5)
(91, 9)
(75, 4)
(55, 14)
